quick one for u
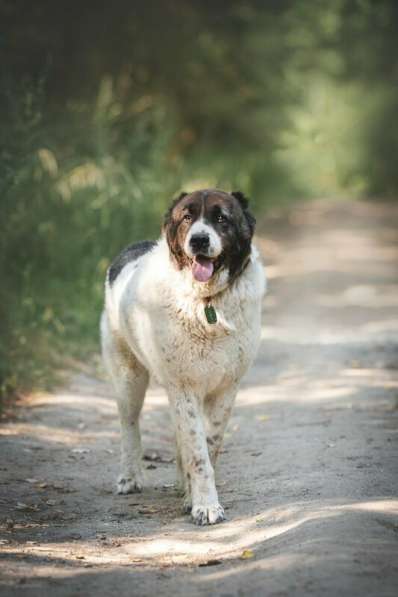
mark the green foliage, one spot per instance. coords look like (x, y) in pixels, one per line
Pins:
(65, 217)
(109, 111)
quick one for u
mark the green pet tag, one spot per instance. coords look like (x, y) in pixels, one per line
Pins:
(211, 314)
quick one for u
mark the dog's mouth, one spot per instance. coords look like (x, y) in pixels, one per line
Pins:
(202, 268)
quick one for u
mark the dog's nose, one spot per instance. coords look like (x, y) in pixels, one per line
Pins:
(199, 242)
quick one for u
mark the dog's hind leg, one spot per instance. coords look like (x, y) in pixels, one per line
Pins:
(131, 394)
(130, 380)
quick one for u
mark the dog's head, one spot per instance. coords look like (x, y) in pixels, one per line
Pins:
(209, 230)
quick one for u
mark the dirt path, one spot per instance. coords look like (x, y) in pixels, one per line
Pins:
(309, 473)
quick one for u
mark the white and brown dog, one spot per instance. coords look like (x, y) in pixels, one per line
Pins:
(185, 310)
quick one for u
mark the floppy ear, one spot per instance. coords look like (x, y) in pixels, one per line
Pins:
(244, 203)
(167, 215)
(170, 229)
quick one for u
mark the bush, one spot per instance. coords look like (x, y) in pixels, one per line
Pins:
(109, 111)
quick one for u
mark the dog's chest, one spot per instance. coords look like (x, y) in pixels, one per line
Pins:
(185, 348)
(165, 325)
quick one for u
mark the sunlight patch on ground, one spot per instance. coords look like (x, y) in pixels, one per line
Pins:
(382, 506)
(185, 545)
(57, 435)
(75, 400)
(371, 297)
(369, 332)
(295, 391)
(176, 545)
(272, 563)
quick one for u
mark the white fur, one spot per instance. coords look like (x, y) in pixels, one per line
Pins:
(154, 325)
(200, 227)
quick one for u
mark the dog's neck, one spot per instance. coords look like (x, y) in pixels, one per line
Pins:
(203, 291)
(192, 297)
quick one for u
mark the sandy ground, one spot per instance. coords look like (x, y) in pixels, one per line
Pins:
(309, 470)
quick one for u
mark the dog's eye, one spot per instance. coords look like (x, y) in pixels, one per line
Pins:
(221, 219)
(187, 218)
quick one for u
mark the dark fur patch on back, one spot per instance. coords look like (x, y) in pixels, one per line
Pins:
(130, 253)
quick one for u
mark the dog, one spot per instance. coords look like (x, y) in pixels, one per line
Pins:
(185, 311)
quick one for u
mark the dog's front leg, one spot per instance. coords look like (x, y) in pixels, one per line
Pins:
(191, 433)
(218, 409)
(183, 481)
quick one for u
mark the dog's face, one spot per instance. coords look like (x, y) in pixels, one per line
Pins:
(209, 230)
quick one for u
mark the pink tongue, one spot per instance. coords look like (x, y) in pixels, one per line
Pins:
(202, 269)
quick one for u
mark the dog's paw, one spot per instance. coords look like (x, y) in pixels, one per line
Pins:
(202, 515)
(127, 485)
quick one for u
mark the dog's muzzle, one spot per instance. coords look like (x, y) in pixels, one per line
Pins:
(200, 244)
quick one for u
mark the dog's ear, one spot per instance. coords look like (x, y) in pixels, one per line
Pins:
(167, 215)
(244, 203)
(170, 230)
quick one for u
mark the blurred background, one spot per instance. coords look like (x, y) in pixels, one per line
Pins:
(108, 110)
